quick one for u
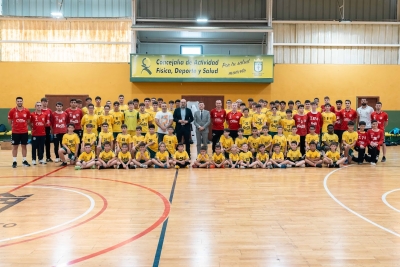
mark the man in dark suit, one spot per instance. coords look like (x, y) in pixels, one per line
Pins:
(183, 117)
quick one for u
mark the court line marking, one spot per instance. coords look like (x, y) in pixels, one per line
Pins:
(34, 180)
(91, 207)
(350, 210)
(386, 202)
(157, 257)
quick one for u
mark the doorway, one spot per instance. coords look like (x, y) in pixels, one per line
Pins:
(209, 102)
(372, 100)
(53, 99)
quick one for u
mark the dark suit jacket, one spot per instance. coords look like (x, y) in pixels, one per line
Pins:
(188, 117)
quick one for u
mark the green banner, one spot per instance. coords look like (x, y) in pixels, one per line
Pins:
(201, 68)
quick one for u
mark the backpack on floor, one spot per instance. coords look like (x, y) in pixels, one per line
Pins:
(3, 128)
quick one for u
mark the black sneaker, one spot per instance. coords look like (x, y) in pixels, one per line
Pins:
(26, 164)
(49, 160)
(319, 166)
(383, 159)
(64, 164)
(14, 164)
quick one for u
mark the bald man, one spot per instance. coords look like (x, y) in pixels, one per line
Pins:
(183, 117)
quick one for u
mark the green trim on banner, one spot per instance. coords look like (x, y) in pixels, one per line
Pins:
(206, 80)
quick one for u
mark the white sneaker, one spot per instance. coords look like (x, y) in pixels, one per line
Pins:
(33, 162)
(145, 166)
(289, 166)
(57, 160)
(373, 163)
(42, 161)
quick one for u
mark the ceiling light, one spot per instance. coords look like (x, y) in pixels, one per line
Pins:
(56, 15)
(345, 21)
(202, 20)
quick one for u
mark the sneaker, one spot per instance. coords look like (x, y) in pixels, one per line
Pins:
(63, 164)
(283, 166)
(269, 167)
(289, 166)
(144, 166)
(373, 163)
(319, 166)
(49, 160)
(14, 165)
(177, 167)
(42, 161)
(279, 165)
(346, 162)
(57, 160)
(242, 167)
(77, 168)
(194, 166)
(337, 166)
(93, 167)
(303, 165)
(383, 159)
(360, 163)
(33, 162)
(25, 163)
(132, 167)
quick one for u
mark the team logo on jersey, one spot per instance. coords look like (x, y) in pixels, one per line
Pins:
(258, 65)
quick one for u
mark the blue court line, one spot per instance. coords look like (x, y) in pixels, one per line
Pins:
(164, 227)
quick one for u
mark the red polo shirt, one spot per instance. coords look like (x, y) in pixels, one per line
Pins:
(19, 119)
(218, 119)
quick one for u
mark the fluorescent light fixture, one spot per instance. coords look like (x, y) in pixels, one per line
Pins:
(345, 21)
(56, 15)
(202, 20)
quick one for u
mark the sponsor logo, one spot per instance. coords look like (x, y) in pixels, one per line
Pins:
(20, 120)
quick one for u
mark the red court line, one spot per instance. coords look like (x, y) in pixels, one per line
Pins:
(34, 180)
(105, 205)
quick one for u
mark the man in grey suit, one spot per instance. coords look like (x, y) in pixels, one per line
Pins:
(201, 121)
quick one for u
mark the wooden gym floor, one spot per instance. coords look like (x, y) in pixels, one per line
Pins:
(52, 216)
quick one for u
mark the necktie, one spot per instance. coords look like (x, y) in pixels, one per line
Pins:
(201, 115)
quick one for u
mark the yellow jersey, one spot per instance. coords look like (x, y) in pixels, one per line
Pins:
(108, 119)
(106, 156)
(281, 140)
(245, 156)
(89, 138)
(149, 138)
(142, 156)
(264, 110)
(234, 157)
(203, 158)
(253, 142)
(282, 114)
(118, 121)
(181, 155)
(131, 119)
(292, 137)
(240, 141)
(313, 154)
(245, 123)
(266, 140)
(218, 158)
(259, 120)
(124, 138)
(226, 142)
(90, 119)
(349, 138)
(312, 137)
(278, 156)
(136, 140)
(124, 157)
(106, 137)
(334, 156)
(329, 138)
(86, 156)
(98, 111)
(287, 125)
(327, 118)
(153, 118)
(274, 121)
(262, 157)
(70, 141)
(144, 120)
(123, 107)
(294, 155)
(170, 142)
(85, 111)
(162, 156)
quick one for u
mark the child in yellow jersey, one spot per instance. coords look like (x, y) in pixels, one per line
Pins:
(246, 158)
(234, 159)
(107, 117)
(161, 160)
(349, 140)
(246, 123)
(240, 140)
(262, 159)
(226, 142)
(91, 118)
(332, 157)
(293, 136)
(104, 136)
(70, 144)
(118, 117)
(277, 158)
(125, 158)
(294, 157)
(311, 137)
(142, 158)
(280, 139)
(151, 140)
(287, 123)
(329, 137)
(170, 141)
(259, 119)
(202, 160)
(313, 157)
(328, 117)
(274, 120)
(123, 138)
(144, 119)
(136, 140)
(253, 141)
(86, 159)
(181, 158)
(218, 159)
(89, 138)
(266, 139)
(106, 158)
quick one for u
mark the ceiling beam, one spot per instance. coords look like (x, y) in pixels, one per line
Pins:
(164, 27)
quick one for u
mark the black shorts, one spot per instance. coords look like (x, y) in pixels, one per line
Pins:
(19, 139)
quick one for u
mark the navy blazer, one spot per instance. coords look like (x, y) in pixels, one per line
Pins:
(188, 117)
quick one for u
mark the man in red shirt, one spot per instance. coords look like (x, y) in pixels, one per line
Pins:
(348, 114)
(338, 124)
(218, 115)
(48, 112)
(59, 127)
(314, 118)
(382, 118)
(74, 116)
(375, 138)
(233, 119)
(301, 123)
(327, 101)
(18, 118)
(38, 121)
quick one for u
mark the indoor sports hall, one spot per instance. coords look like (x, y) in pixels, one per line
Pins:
(199, 133)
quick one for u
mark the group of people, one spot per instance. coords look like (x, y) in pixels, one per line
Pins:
(154, 133)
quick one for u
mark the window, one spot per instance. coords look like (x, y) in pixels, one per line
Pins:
(191, 49)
